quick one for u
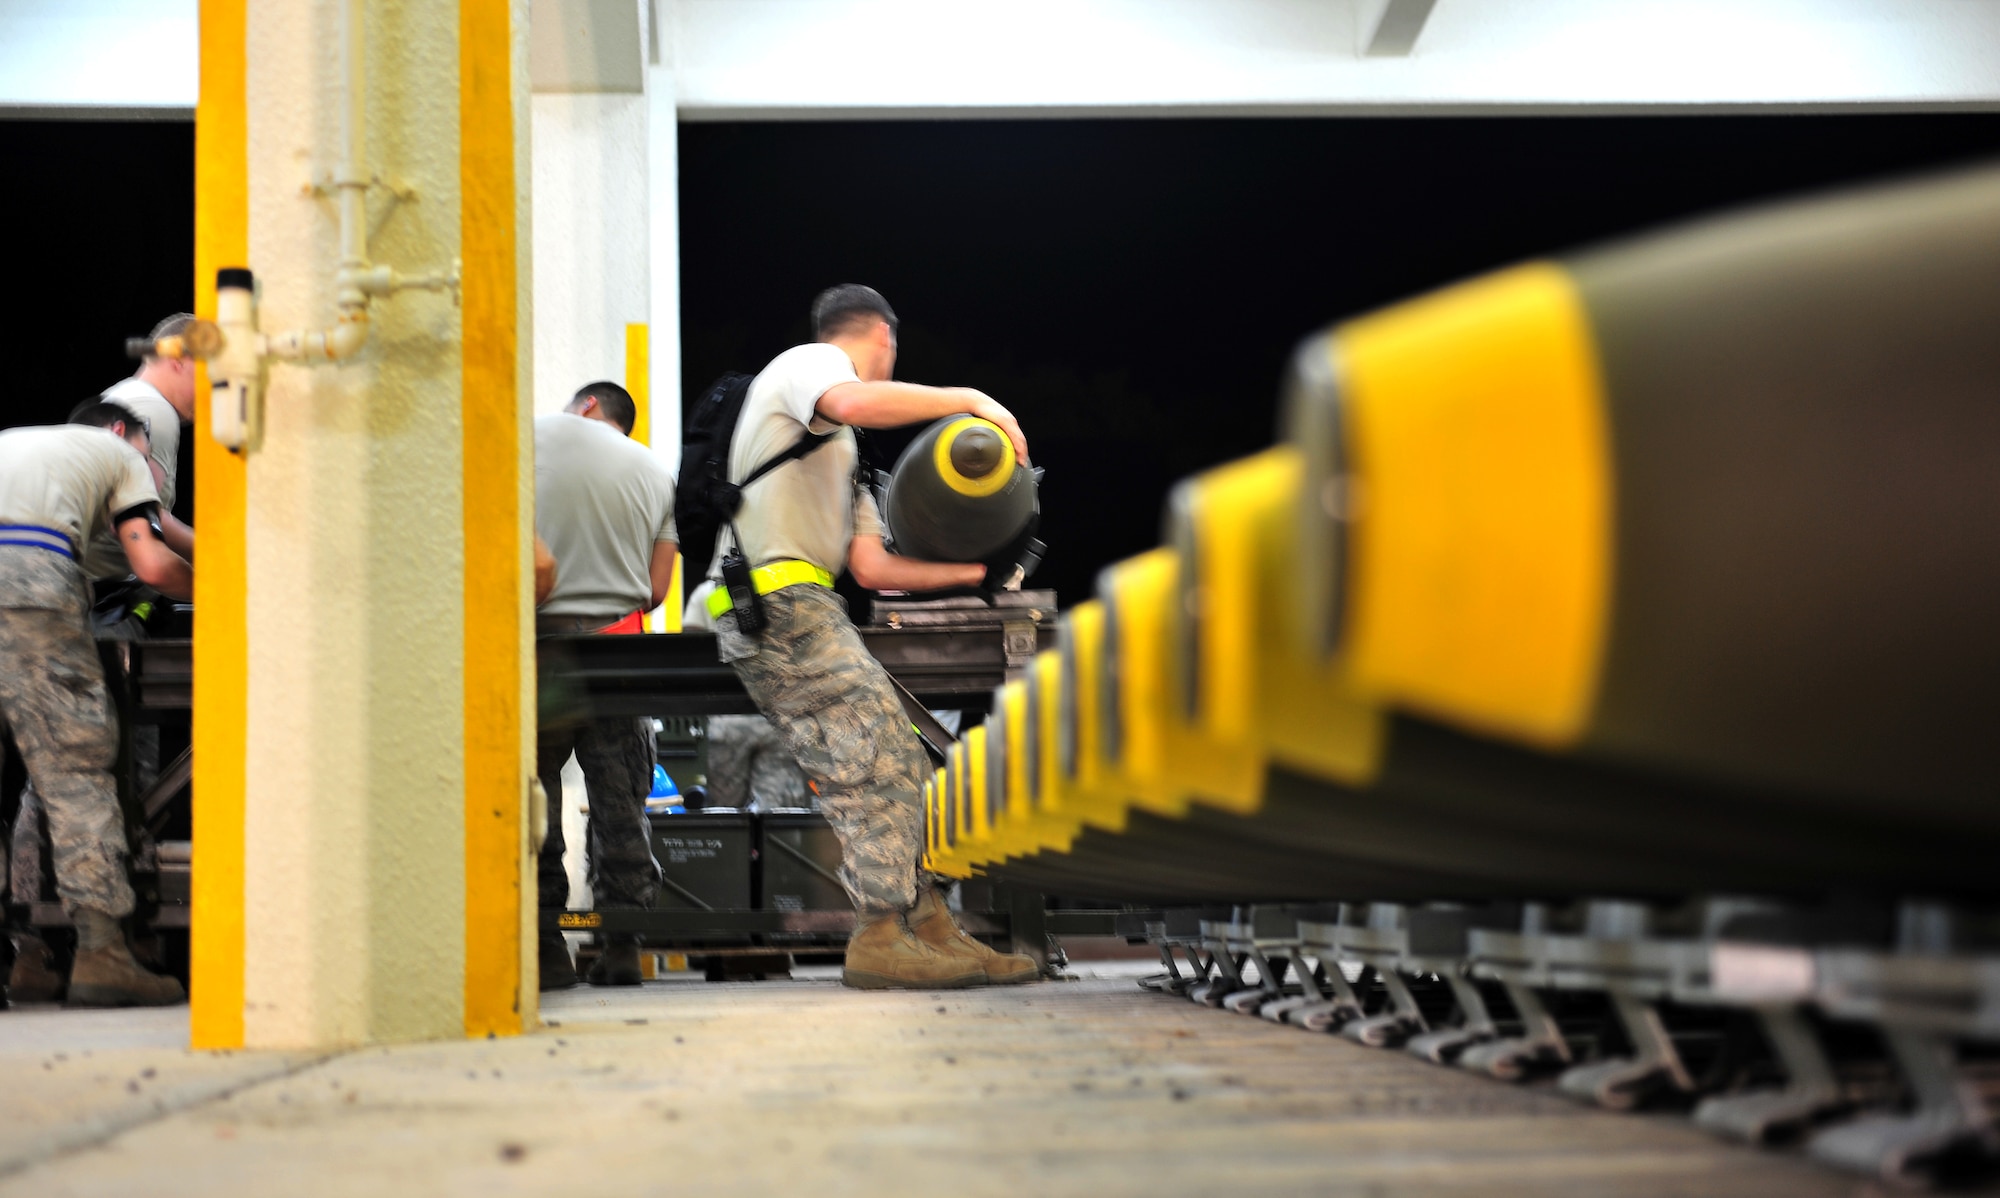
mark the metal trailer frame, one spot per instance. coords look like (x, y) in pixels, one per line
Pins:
(942, 653)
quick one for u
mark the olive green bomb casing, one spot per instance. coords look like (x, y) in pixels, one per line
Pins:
(957, 494)
(1717, 500)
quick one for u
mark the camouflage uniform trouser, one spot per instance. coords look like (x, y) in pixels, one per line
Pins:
(26, 868)
(748, 762)
(52, 697)
(616, 754)
(809, 673)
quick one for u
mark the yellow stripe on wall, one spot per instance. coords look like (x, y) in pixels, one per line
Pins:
(1481, 581)
(638, 381)
(496, 527)
(221, 644)
(638, 364)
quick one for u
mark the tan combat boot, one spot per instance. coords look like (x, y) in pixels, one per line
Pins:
(105, 975)
(883, 955)
(931, 920)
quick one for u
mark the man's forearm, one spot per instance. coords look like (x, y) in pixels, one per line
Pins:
(179, 537)
(156, 565)
(890, 404)
(545, 571)
(175, 580)
(895, 573)
(879, 570)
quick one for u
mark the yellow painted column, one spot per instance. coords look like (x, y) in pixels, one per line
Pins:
(498, 501)
(368, 646)
(221, 648)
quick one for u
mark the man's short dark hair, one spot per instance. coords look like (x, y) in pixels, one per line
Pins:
(848, 309)
(172, 326)
(103, 413)
(613, 400)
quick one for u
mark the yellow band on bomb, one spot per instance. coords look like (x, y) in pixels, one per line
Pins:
(1481, 558)
(972, 487)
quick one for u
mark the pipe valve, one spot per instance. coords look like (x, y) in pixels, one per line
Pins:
(236, 367)
(200, 340)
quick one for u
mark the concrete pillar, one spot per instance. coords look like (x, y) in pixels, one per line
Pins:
(384, 686)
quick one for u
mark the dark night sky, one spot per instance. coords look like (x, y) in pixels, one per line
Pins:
(1130, 288)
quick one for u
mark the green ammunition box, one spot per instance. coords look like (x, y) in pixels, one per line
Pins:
(705, 860)
(801, 864)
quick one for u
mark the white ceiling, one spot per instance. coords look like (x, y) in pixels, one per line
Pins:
(842, 58)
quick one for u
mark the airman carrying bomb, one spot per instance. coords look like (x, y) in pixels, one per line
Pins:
(957, 494)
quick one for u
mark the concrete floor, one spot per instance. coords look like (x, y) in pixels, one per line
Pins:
(682, 1087)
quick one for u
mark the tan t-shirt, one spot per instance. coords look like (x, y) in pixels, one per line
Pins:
(808, 510)
(601, 502)
(164, 426)
(60, 487)
(102, 557)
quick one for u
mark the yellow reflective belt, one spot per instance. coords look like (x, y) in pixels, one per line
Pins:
(774, 577)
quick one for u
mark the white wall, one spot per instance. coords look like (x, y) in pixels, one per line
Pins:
(590, 255)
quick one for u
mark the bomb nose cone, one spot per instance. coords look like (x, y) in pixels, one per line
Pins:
(956, 494)
(976, 451)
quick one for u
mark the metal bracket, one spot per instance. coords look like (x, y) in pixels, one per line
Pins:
(1812, 1090)
(1476, 1026)
(1623, 1083)
(1402, 1020)
(330, 185)
(1952, 1115)
(1341, 1006)
(1541, 1044)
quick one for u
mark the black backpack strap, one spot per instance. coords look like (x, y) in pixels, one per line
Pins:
(728, 496)
(800, 448)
